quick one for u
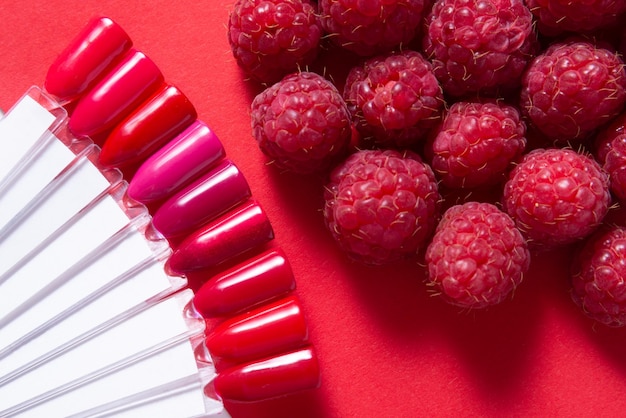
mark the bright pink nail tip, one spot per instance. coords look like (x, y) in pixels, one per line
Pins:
(270, 378)
(237, 232)
(270, 329)
(259, 279)
(219, 190)
(87, 58)
(176, 164)
(112, 99)
(149, 127)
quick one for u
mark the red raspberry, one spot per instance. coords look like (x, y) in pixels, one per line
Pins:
(572, 88)
(394, 99)
(479, 46)
(381, 205)
(557, 196)
(476, 144)
(611, 153)
(599, 276)
(372, 27)
(302, 123)
(557, 16)
(477, 256)
(271, 38)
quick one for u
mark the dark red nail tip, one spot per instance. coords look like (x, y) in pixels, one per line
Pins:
(270, 329)
(269, 378)
(94, 51)
(241, 230)
(216, 192)
(148, 128)
(176, 164)
(114, 97)
(264, 277)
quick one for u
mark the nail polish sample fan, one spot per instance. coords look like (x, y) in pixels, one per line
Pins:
(97, 317)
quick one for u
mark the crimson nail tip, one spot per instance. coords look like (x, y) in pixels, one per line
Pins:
(86, 58)
(123, 88)
(150, 126)
(256, 280)
(273, 377)
(235, 233)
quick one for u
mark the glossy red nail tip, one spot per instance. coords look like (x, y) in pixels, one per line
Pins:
(239, 231)
(126, 86)
(270, 378)
(271, 329)
(148, 128)
(259, 279)
(100, 44)
(219, 190)
(176, 164)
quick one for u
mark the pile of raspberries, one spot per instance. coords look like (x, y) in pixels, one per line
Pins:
(468, 135)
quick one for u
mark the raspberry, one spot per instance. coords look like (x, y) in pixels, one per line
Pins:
(572, 88)
(557, 16)
(479, 46)
(302, 123)
(271, 38)
(477, 256)
(476, 143)
(557, 196)
(611, 153)
(394, 99)
(599, 276)
(381, 205)
(370, 27)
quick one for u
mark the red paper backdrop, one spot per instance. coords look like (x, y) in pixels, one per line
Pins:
(386, 347)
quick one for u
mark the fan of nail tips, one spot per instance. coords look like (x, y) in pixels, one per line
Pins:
(112, 192)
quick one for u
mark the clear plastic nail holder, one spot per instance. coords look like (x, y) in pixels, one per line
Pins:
(91, 325)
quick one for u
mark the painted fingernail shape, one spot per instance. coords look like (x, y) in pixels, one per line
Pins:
(112, 99)
(93, 52)
(219, 190)
(237, 232)
(270, 378)
(148, 128)
(259, 279)
(176, 164)
(270, 329)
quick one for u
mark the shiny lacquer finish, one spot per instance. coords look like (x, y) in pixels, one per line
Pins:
(274, 328)
(112, 99)
(218, 191)
(261, 278)
(148, 128)
(237, 232)
(95, 50)
(176, 164)
(272, 377)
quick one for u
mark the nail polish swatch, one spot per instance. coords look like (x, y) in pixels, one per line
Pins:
(176, 164)
(113, 98)
(96, 49)
(261, 278)
(219, 190)
(238, 231)
(270, 378)
(148, 128)
(270, 329)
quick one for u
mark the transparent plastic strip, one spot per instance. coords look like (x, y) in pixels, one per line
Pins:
(101, 358)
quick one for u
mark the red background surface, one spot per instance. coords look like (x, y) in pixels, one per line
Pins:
(386, 347)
